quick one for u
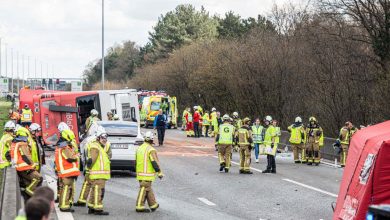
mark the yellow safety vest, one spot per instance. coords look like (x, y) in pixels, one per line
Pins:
(5, 146)
(346, 138)
(226, 132)
(243, 136)
(269, 134)
(206, 119)
(69, 135)
(296, 134)
(34, 151)
(256, 134)
(144, 167)
(101, 168)
(26, 115)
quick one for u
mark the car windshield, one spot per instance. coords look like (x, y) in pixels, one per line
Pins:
(121, 129)
(155, 106)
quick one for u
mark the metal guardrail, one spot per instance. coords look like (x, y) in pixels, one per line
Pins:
(11, 198)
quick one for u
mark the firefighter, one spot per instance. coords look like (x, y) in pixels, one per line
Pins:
(68, 135)
(99, 172)
(189, 122)
(257, 137)
(196, 121)
(206, 124)
(21, 156)
(237, 123)
(313, 135)
(213, 118)
(26, 116)
(244, 140)
(91, 119)
(13, 116)
(271, 144)
(297, 139)
(66, 160)
(147, 167)
(5, 144)
(86, 188)
(225, 139)
(346, 133)
(34, 143)
(183, 120)
(110, 116)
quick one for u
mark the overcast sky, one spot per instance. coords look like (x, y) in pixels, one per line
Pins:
(66, 34)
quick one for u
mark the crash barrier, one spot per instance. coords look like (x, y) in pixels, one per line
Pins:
(11, 199)
(327, 151)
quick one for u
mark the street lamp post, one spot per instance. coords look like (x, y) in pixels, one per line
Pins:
(17, 71)
(103, 44)
(12, 70)
(0, 59)
(6, 61)
(22, 70)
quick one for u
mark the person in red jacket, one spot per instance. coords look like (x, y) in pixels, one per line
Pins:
(196, 122)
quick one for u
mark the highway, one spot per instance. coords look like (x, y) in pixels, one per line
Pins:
(193, 187)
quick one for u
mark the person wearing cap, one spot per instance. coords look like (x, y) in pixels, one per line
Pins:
(67, 167)
(196, 119)
(98, 164)
(91, 119)
(147, 168)
(313, 136)
(271, 144)
(26, 116)
(345, 136)
(25, 167)
(244, 140)
(5, 144)
(110, 116)
(34, 141)
(225, 139)
(297, 139)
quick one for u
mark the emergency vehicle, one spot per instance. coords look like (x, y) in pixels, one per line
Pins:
(73, 108)
(151, 106)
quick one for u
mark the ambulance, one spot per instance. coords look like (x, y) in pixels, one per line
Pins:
(152, 104)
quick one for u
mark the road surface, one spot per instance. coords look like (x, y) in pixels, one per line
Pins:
(193, 187)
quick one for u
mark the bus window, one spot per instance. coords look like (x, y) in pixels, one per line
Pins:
(85, 104)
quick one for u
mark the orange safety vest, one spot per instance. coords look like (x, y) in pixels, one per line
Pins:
(14, 116)
(16, 155)
(63, 167)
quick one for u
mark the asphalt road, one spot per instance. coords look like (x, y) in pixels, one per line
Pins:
(193, 188)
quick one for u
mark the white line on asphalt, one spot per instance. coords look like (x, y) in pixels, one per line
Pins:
(206, 201)
(311, 187)
(60, 215)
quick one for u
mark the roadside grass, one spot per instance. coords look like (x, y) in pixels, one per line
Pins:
(4, 107)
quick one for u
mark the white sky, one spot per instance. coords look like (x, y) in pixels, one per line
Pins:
(66, 34)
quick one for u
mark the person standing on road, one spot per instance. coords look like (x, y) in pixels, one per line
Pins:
(244, 139)
(297, 138)
(26, 116)
(313, 136)
(5, 144)
(160, 123)
(68, 135)
(91, 119)
(213, 120)
(271, 144)
(237, 123)
(147, 167)
(196, 122)
(189, 122)
(21, 156)
(225, 139)
(99, 172)
(66, 160)
(346, 133)
(257, 136)
(183, 120)
(206, 123)
(35, 146)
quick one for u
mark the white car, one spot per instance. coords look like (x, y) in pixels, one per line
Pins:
(125, 138)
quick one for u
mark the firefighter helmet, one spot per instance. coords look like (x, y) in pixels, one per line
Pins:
(62, 126)
(94, 112)
(213, 109)
(226, 117)
(235, 114)
(312, 119)
(34, 127)
(298, 119)
(10, 125)
(101, 132)
(116, 117)
(268, 118)
(148, 136)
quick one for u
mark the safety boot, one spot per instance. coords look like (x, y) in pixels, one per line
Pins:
(309, 163)
(297, 161)
(273, 171)
(154, 208)
(226, 170)
(222, 166)
(142, 210)
(242, 172)
(248, 172)
(101, 212)
(316, 164)
(266, 171)
(257, 160)
(91, 211)
(66, 210)
(78, 203)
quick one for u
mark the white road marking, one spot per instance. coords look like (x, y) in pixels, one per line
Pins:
(311, 187)
(206, 201)
(60, 215)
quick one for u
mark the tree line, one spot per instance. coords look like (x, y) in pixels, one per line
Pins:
(330, 60)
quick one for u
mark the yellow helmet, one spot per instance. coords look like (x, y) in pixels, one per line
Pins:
(312, 118)
(246, 120)
(22, 131)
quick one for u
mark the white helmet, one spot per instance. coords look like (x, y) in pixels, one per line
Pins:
(235, 114)
(195, 107)
(34, 127)
(101, 132)
(94, 112)
(298, 119)
(268, 118)
(62, 126)
(225, 117)
(213, 109)
(148, 136)
(10, 125)
(115, 117)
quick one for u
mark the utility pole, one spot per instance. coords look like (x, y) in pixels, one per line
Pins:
(103, 44)
(6, 61)
(35, 67)
(17, 71)
(12, 70)
(41, 75)
(28, 68)
(0, 60)
(22, 70)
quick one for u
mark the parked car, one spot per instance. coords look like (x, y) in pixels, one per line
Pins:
(125, 138)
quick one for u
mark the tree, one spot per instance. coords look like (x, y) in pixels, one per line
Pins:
(231, 26)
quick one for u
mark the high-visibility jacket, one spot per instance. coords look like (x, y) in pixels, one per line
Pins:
(90, 121)
(243, 136)
(226, 132)
(257, 134)
(34, 151)
(206, 119)
(237, 123)
(26, 115)
(144, 167)
(344, 136)
(68, 135)
(270, 134)
(16, 155)
(297, 134)
(101, 167)
(5, 145)
(314, 133)
(188, 117)
(64, 167)
(213, 117)
(14, 116)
